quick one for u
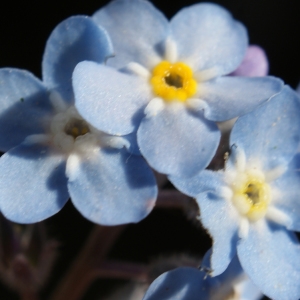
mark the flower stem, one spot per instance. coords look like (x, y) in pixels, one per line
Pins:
(83, 272)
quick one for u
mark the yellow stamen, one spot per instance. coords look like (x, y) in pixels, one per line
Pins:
(173, 81)
(251, 197)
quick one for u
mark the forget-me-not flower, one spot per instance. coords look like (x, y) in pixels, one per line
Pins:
(251, 206)
(192, 284)
(54, 153)
(167, 79)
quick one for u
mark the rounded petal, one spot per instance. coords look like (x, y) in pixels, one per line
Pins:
(286, 193)
(181, 283)
(178, 142)
(74, 40)
(255, 63)
(270, 256)
(24, 107)
(221, 220)
(33, 185)
(204, 181)
(112, 187)
(229, 97)
(271, 132)
(208, 37)
(136, 28)
(110, 100)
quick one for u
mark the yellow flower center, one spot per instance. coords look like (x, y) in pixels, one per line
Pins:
(251, 196)
(173, 81)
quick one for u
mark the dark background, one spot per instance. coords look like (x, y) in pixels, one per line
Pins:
(24, 29)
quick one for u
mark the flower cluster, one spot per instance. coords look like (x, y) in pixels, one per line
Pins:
(127, 91)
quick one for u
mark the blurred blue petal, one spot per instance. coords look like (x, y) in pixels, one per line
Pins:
(74, 40)
(112, 187)
(33, 185)
(136, 28)
(271, 257)
(178, 142)
(229, 97)
(271, 132)
(208, 37)
(189, 284)
(182, 284)
(110, 100)
(24, 107)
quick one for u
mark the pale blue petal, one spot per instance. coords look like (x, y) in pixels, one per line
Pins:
(270, 256)
(110, 100)
(24, 107)
(204, 181)
(74, 40)
(137, 30)
(181, 283)
(229, 97)
(33, 185)
(271, 132)
(113, 187)
(178, 142)
(222, 222)
(208, 37)
(287, 193)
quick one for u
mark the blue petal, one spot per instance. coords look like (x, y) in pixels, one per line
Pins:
(74, 40)
(287, 193)
(112, 187)
(230, 97)
(136, 28)
(271, 133)
(208, 37)
(204, 181)
(110, 100)
(178, 142)
(270, 256)
(182, 284)
(221, 220)
(24, 107)
(33, 185)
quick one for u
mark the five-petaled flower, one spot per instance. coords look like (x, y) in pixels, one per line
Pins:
(166, 81)
(54, 153)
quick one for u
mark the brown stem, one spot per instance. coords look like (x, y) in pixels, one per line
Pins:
(82, 272)
(123, 270)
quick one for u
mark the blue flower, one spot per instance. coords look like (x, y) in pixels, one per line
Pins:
(192, 284)
(251, 206)
(169, 84)
(54, 153)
